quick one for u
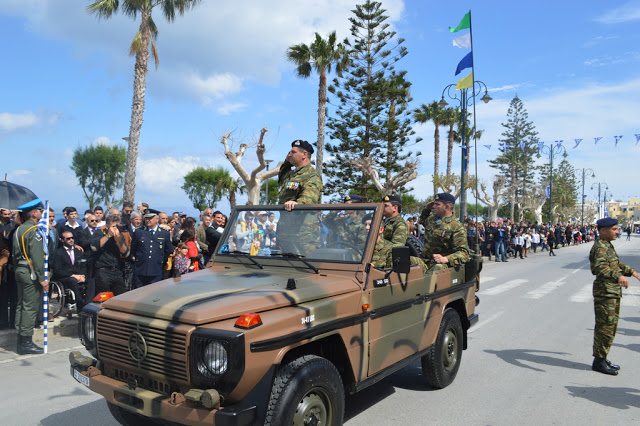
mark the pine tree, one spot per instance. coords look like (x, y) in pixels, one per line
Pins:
(516, 162)
(371, 125)
(564, 191)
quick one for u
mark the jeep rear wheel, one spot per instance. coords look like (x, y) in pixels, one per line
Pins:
(441, 363)
(306, 391)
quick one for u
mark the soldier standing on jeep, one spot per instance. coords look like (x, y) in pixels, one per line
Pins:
(445, 237)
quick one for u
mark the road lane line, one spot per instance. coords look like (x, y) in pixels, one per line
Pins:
(485, 322)
(545, 289)
(583, 295)
(484, 279)
(504, 287)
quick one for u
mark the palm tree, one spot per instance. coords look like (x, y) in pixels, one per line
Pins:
(320, 55)
(145, 37)
(432, 112)
(470, 134)
(451, 118)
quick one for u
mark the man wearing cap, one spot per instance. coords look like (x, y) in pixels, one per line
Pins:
(150, 247)
(445, 239)
(607, 291)
(303, 185)
(28, 261)
(395, 228)
(347, 226)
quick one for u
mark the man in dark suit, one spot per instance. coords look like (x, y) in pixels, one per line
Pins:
(150, 247)
(69, 267)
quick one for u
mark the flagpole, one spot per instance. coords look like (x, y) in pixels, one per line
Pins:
(475, 142)
(45, 296)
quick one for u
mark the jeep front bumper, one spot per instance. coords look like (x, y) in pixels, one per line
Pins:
(153, 404)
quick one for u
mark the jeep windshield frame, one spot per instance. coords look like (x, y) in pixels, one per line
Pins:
(332, 236)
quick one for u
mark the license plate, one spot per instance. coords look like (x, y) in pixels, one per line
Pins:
(81, 378)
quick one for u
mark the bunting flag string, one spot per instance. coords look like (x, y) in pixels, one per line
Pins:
(523, 145)
(617, 139)
(489, 146)
(503, 146)
(597, 139)
(637, 135)
(540, 145)
(577, 143)
(559, 143)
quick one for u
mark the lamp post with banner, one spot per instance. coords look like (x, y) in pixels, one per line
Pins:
(550, 151)
(600, 185)
(466, 99)
(583, 173)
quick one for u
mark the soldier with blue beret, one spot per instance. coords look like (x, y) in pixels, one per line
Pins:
(28, 262)
(607, 291)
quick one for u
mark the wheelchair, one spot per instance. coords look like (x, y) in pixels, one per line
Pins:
(61, 298)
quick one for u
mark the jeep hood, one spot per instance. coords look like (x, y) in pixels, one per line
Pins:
(208, 296)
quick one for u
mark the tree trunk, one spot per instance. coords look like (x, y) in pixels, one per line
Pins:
(450, 137)
(512, 196)
(436, 156)
(137, 108)
(322, 100)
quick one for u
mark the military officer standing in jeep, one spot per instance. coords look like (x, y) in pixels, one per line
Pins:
(445, 238)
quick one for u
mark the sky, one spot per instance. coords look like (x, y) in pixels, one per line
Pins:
(67, 82)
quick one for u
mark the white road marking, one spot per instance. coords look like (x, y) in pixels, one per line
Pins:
(545, 289)
(482, 322)
(503, 287)
(585, 294)
(484, 279)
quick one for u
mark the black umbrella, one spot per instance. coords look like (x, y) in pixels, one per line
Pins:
(13, 195)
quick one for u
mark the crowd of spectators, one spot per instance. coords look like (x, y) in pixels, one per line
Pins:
(93, 254)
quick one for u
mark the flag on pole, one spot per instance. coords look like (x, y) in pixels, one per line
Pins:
(465, 83)
(577, 143)
(465, 22)
(547, 190)
(42, 229)
(463, 41)
(466, 62)
(597, 139)
(618, 139)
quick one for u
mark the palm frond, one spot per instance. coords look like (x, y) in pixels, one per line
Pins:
(154, 52)
(136, 44)
(103, 8)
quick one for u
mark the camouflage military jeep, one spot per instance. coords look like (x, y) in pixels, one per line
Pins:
(277, 327)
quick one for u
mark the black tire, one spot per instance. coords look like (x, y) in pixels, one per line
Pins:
(309, 386)
(440, 365)
(56, 299)
(128, 418)
(415, 246)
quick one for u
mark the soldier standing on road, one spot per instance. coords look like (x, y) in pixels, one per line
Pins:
(395, 228)
(28, 261)
(445, 240)
(607, 291)
(300, 186)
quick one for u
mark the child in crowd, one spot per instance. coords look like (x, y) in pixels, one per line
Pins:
(181, 262)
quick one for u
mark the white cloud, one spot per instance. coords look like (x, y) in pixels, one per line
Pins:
(226, 109)
(20, 172)
(164, 175)
(102, 140)
(630, 11)
(11, 122)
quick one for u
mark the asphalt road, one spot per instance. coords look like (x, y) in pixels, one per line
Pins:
(528, 362)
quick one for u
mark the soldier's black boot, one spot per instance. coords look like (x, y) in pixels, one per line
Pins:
(18, 343)
(27, 347)
(600, 365)
(612, 365)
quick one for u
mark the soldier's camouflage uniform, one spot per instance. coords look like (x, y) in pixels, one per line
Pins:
(298, 233)
(396, 231)
(607, 268)
(446, 237)
(348, 229)
(382, 255)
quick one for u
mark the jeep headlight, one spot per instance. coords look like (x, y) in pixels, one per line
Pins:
(87, 328)
(217, 359)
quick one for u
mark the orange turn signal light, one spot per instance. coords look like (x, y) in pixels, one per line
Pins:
(365, 307)
(248, 321)
(103, 296)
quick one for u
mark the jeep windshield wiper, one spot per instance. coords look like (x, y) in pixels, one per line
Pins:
(299, 257)
(245, 254)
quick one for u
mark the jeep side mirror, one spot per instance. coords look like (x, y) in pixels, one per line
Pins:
(401, 259)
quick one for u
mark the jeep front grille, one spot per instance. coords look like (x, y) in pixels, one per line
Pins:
(162, 347)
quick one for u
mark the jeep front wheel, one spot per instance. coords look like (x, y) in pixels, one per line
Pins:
(441, 363)
(306, 391)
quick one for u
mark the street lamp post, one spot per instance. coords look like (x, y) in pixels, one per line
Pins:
(584, 172)
(466, 100)
(551, 150)
(600, 185)
(268, 162)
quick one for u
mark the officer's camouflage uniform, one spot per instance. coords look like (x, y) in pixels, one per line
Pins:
(299, 233)
(29, 288)
(348, 229)
(396, 231)
(382, 255)
(445, 237)
(607, 268)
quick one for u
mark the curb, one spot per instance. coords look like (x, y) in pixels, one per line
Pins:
(60, 327)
